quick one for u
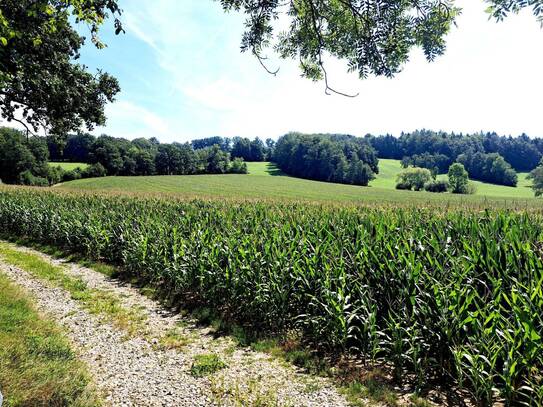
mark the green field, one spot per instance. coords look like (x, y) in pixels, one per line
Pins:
(68, 166)
(439, 295)
(267, 182)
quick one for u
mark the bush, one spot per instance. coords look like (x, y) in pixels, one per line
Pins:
(403, 186)
(27, 178)
(94, 171)
(413, 178)
(436, 186)
(238, 166)
(470, 188)
(71, 175)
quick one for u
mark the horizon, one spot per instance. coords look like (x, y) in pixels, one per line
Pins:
(183, 78)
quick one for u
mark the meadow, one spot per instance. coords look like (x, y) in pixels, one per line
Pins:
(265, 181)
(443, 297)
(66, 166)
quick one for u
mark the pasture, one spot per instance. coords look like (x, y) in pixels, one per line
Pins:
(68, 166)
(265, 181)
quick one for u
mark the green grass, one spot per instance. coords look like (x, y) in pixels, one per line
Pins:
(68, 166)
(205, 365)
(37, 365)
(95, 301)
(261, 184)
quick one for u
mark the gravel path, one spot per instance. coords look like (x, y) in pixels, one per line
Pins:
(137, 372)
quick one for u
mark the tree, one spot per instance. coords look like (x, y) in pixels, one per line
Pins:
(537, 179)
(326, 157)
(41, 85)
(413, 178)
(372, 37)
(458, 179)
(238, 166)
(216, 160)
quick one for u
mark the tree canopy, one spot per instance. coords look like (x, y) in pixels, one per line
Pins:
(371, 36)
(41, 84)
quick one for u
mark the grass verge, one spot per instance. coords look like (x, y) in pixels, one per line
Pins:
(37, 365)
(95, 301)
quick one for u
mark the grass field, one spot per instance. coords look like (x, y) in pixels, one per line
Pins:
(68, 166)
(37, 365)
(266, 181)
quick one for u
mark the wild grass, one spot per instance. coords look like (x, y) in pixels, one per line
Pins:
(37, 365)
(449, 296)
(95, 301)
(206, 364)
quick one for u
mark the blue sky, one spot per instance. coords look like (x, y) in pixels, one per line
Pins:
(183, 77)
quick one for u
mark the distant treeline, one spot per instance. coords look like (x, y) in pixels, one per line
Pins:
(327, 157)
(487, 156)
(523, 153)
(25, 160)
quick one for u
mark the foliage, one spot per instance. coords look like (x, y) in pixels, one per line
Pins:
(458, 179)
(537, 178)
(372, 37)
(206, 364)
(435, 293)
(95, 170)
(436, 186)
(238, 166)
(489, 168)
(41, 85)
(429, 149)
(20, 155)
(413, 178)
(333, 158)
(437, 163)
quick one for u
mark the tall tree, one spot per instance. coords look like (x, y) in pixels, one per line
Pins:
(41, 85)
(372, 36)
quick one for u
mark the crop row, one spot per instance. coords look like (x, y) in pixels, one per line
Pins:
(447, 296)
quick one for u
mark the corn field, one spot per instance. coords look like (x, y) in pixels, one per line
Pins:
(454, 296)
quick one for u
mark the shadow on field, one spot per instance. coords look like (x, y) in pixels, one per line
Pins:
(272, 169)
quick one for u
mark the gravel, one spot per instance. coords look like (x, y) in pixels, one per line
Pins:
(136, 372)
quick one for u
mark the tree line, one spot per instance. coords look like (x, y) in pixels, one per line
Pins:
(25, 160)
(487, 157)
(327, 157)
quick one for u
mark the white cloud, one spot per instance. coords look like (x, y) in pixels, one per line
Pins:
(489, 79)
(132, 121)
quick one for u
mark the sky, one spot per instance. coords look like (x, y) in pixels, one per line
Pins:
(183, 77)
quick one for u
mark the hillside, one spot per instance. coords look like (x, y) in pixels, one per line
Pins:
(266, 181)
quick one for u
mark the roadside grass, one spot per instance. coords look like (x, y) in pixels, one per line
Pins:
(253, 393)
(95, 301)
(37, 365)
(206, 364)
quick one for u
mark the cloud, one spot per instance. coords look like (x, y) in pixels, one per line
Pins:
(132, 121)
(202, 85)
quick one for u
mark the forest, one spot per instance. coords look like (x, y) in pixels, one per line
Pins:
(338, 158)
(487, 157)
(25, 160)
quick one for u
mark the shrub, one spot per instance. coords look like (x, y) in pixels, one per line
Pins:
(413, 178)
(436, 186)
(27, 178)
(403, 186)
(458, 179)
(238, 166)
(94, 171)
(71, 175)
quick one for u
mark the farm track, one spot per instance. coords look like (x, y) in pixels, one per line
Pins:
(138, 371)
